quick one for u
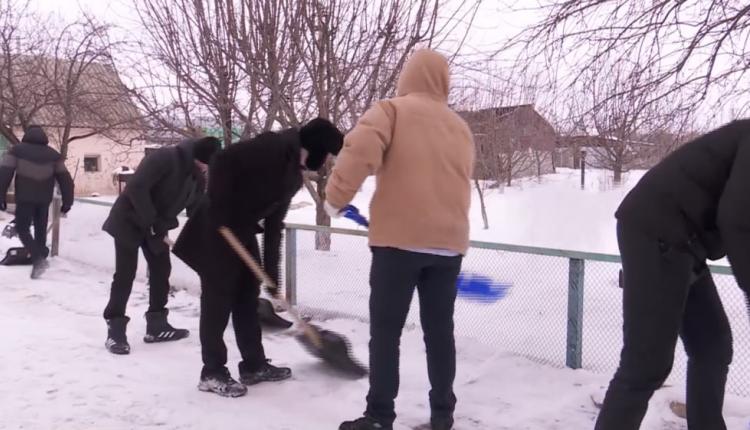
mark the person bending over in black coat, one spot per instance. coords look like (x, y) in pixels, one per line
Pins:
(692, 206)
(36, 168)
(165, 183)
(251, 182)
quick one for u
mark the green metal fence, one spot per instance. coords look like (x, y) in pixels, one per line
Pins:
(563, 308)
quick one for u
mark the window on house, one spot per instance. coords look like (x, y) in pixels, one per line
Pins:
(91, 163)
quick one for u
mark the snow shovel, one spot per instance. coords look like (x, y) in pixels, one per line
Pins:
(330, 347)
(17, 255)
(470, 285)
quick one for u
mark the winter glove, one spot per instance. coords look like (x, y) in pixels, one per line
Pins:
(3, 205)
(161, 227)
(331, 211)
(65, 209)
(157, 244)
(273, 291)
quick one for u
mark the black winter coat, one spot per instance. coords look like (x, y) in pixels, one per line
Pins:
(36, 167)
(699, 197)
(165, 183)
(249, 182)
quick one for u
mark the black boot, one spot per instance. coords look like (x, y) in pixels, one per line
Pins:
(117, 341)
(441, 423)
(267, 372)
(159, 330)
(38, 268)
(364, 423)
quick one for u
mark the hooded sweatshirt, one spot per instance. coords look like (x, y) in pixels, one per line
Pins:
(422, 155)
(36, 168)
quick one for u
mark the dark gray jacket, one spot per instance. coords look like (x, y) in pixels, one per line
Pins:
(36, 167)
(165, 183)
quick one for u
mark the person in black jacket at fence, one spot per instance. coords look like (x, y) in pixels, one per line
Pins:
(252, 181)
(164, 184)
(36, 167)
(692, 206)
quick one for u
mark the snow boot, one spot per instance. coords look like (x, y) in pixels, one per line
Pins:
(441, 423)
(159, 330)
(38, 268)
(117, 341)
(267, 372)
(221, 383)
(364, 423)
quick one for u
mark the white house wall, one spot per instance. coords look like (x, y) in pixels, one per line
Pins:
(111, 154)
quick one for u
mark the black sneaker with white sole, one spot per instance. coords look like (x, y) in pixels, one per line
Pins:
(266, 373)
(221, 383)
(159, 330)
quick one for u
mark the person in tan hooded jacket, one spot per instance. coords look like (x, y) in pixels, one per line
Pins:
(422, 155)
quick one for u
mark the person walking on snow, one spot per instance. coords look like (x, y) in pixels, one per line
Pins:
(692, 206)
(252, 181)
(164, 184)
(422, 154)
(36, 168)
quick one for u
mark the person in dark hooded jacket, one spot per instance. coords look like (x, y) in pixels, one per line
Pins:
(252, 181)
(164, 184)
(692, 206)
(36, 167)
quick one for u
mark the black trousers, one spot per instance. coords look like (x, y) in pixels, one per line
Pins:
(394, 275)
(126, 265)
(26, 214)
(666, 294)
(237, 296)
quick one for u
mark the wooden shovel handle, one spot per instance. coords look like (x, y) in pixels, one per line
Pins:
(253, 265)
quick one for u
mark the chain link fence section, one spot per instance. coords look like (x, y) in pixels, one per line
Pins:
(538, 317)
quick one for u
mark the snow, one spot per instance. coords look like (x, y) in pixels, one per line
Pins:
(57, 374)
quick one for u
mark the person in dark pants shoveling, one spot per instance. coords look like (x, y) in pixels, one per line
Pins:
(692, 206)
(164, 184)
(251, 181)
(422, 154)
(36, 167)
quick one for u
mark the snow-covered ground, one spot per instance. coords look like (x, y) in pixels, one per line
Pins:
(57, 374)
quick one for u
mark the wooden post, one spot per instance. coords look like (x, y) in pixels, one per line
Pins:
(583, 169)
(56, 206)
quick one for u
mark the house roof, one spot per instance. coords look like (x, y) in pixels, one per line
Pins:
(593, 141)
(98, 99)
(496, 112)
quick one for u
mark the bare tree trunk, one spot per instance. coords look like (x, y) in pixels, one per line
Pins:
(480, 191)
(322, 239)
(618, 172)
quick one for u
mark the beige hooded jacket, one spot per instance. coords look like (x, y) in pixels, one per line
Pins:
(422, 154)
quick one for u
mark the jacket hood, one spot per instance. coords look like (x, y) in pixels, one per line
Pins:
(425, 72)
(35, 135)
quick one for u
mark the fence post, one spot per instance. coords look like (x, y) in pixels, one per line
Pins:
(290, 257)
(574, 350)
(56, 207)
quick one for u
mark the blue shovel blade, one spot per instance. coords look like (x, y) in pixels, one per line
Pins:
(481, 288)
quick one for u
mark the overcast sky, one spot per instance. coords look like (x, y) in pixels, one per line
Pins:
(495, 23)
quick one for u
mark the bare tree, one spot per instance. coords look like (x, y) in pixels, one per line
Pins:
(619, 116)
(191, 40)
(283, 62)
(61, 77)
(22, 94)
(697, 48)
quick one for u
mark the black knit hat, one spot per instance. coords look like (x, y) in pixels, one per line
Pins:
(205, 148)
(35, 134)
(320, 138)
